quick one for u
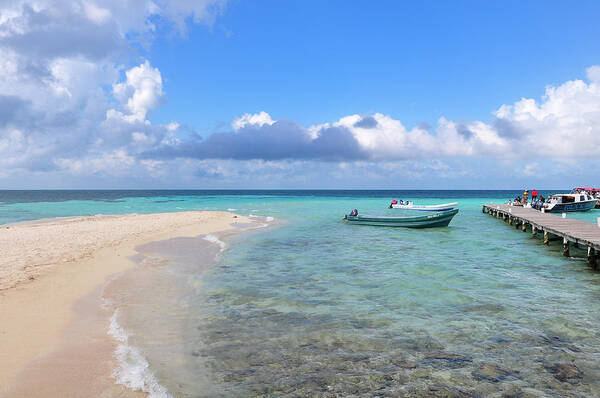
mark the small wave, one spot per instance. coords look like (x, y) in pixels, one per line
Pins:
(257, 226)
(269, 219)
(214, 239)
(252, 215)
(133, 371)
(231, 209)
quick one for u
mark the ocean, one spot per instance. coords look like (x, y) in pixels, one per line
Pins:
(310, 306)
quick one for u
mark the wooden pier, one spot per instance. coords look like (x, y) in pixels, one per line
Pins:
(578, 232)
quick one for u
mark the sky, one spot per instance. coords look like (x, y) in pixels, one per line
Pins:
(201, 94)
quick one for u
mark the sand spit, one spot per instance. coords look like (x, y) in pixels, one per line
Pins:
(49, 271)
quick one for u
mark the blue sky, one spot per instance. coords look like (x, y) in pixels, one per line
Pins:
(299, 94)
(314, 61)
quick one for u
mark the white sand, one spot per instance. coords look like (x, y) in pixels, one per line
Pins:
(51, 269)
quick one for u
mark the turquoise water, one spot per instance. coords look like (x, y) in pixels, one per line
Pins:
(315, 307)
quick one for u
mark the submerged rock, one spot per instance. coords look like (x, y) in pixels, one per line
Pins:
(441, 391)
(446, 360)
(492, 373)
(405, 363)
(513, 394)
(566, 372)
(573, 348)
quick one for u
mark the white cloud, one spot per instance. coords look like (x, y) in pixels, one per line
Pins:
(564, 124)
(141, 92)
(593, 74)
(531, 169)
(173, 126)
(256, 120)
(383, 137)
(58, 60)
(95, 13)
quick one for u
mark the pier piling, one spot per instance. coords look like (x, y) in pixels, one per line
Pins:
(565, 247)
(592, 258)
(555, 227)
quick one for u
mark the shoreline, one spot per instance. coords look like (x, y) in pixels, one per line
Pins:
(54, 311)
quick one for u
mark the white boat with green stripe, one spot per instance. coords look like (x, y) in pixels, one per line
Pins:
(439, 219)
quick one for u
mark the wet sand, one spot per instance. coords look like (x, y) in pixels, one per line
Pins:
(54, 339)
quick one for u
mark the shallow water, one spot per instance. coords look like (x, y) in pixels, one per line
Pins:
(315, 307)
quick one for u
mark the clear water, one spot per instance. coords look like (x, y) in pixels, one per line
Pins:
(315, 307)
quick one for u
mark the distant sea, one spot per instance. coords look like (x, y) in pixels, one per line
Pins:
(315, 307)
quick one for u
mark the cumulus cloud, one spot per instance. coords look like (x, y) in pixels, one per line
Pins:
(60, 59)
(564, 124)
(282, 139)
(140, 92)
(256, 120)
(381, 138)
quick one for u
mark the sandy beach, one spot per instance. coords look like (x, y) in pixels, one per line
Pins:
(54, 339)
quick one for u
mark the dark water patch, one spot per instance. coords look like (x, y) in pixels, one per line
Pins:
(437, 390)
(446, 360)
(485, 308)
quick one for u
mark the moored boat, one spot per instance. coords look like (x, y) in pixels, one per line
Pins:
(570, 202)
(411, 206)
(594, 192)
(439, 219)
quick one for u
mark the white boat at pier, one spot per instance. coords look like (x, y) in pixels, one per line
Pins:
(411, 206)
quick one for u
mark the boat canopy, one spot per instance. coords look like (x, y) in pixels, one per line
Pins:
(590, 189)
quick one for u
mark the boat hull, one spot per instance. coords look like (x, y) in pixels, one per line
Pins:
(571, 207)
(441, 219)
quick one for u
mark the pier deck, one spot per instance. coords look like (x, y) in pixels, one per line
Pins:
(570, 230)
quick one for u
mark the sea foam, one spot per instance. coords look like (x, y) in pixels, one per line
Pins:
(214, 239)
(133, 371)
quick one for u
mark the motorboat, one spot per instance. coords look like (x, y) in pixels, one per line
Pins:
(408, 205)
(439, 219)
(569, 202)
(594, 192)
